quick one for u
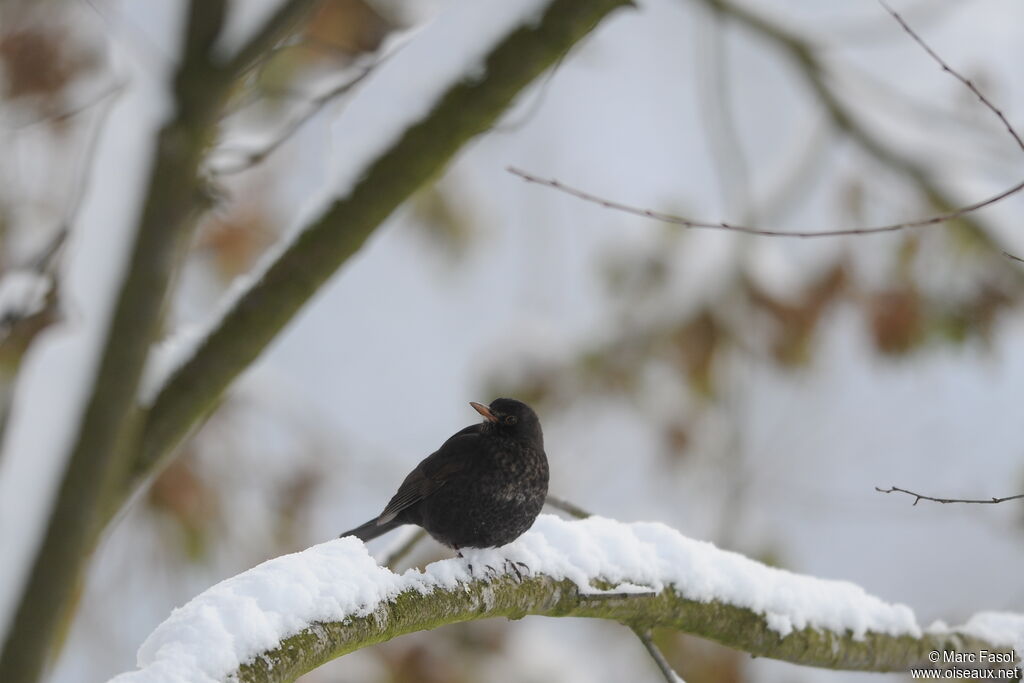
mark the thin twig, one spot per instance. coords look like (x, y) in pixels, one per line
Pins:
(45, 262)
(599, 596)
(399, 553)
(287, 17)
(718, 116)
(1011, 256)
(666, 669)
(954, 73)
(918, 497)
(113, 88)
(565, 506)
(105, 104)
(749, 230)
(535, 105)
(120, 28)
(770, 232)
(248, 158)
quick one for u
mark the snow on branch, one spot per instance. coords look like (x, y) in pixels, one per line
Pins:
(23, 294)
(296, 612)
(448, 85)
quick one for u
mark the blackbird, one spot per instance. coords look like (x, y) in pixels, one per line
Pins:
(482, 488)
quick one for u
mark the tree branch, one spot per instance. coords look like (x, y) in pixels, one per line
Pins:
(918, 497)
(247, 158)
(802, 53)
(577, 512)
(282, 22)
(402, 551)
(667, 672)
(101, 452)
(763, 232)
(345, 602)
(1010, 256)
(468, 108)
(954, 73)
(541, 595)
(567, 507)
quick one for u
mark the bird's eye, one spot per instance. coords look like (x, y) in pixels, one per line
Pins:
(510, 419)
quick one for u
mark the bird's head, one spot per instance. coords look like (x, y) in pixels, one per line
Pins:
(511, 417)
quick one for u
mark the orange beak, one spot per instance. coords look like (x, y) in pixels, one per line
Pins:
(483, 410)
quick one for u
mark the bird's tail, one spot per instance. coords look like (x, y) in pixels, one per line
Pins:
(372, 529)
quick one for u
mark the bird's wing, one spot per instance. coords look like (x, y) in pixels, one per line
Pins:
(432, 473)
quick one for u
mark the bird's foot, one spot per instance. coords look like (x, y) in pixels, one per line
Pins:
(514, 567)
(489, 571)
(469, 565)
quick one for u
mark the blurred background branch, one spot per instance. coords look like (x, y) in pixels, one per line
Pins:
(285, 285)
(102, 447)
(748, 391)
(95, 477)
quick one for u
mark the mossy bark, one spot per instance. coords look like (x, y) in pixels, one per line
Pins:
(733, 626)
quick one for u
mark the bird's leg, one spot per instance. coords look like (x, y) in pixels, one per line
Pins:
(469, 565)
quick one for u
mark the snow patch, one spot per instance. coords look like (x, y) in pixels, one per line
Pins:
(22, 293)
(240, 618)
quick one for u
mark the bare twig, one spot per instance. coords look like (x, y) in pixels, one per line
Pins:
(565, 506)
(801, 52)
(112, 89)
(918, 497)
(604, 596)
(45, 262)
(121, 28)
(718, 115)
(1012, 257)
(105, 103)
(536, 104)
(289, 14)
(247, 158)
(954, 73)
(666, 669)
(749, 230)
(399, 553)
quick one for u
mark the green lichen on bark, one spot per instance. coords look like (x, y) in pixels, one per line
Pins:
(483, 598)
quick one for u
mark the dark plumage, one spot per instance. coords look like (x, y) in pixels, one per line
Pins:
(482, 488)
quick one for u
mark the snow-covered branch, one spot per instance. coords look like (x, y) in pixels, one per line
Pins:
(501, 49)
(296, 612)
